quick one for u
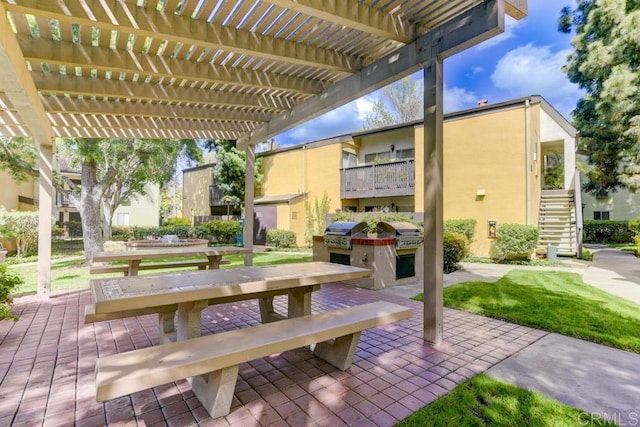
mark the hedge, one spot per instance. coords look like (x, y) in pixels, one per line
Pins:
(281, 238)
(456, 247)
(607, 231)
(461, 226)
(222, 231)
(516, 241)
(182, 231)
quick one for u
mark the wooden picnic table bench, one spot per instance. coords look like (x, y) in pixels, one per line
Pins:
(137, 260)
(211, 362)
(189, 293)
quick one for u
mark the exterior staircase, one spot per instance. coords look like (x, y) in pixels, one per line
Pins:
(557, 221)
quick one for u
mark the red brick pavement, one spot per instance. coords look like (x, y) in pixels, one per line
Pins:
(47, 362)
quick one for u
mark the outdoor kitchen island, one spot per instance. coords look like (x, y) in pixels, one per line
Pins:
(394, 254)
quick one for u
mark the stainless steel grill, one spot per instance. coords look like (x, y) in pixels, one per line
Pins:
(407, 235)
(338, 234)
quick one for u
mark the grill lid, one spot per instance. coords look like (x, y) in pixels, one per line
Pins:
(344, 228)
(399, 228)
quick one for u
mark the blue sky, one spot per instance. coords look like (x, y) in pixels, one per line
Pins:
(525, 60)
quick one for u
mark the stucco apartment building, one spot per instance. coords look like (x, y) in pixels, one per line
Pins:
(495, 158)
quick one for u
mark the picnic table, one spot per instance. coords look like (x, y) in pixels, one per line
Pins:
(189, 293)
(135, 259)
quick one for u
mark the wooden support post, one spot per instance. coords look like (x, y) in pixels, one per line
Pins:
(340, 352)
(249, 193)
(433, 211)
(45, 214)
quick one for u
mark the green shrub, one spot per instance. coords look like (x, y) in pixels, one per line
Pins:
(607, 231)
(121, 233)
(173, 221)
(21, 226)
(634, 226)
(456, 247)
(74, 228)
(9, 280)
(281, 238)
(374, 218)
(343, 216)
(461, 226)
(587, 255)
(223, 231)
(516, 241)
(182, 231)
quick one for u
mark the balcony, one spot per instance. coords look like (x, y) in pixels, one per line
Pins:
(379, 180)
(64, 200)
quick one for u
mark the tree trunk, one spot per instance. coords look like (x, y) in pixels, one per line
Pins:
(89, 208)
(107, 217)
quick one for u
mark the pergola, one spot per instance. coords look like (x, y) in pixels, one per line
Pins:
(235, 69)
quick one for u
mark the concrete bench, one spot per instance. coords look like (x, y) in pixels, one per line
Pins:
(124, 268)
(211, 362)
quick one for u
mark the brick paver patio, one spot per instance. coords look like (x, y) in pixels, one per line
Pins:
(47, 362)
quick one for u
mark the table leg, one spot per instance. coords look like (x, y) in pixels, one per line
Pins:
(267, 314)
(189, 319)
(214, 261)
(299, 303)
(167, 327)
(133, 267)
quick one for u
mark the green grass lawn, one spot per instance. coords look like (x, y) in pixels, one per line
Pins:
(484, 401)
(70, 274)
(554, 301)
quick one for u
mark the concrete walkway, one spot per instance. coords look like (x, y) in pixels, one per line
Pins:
(603, 381)
(614, 271)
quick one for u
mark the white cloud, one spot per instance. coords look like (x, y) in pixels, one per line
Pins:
(457, 98)
(534, 70)
(510, 26)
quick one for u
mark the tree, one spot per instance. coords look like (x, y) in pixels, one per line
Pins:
(113, 171)
(18, 157)
(606, 64)
(229, 171)
(21, 226)
(405, 98)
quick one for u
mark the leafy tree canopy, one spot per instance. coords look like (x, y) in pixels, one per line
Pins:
(606, 64)
(229, 171)
(18, 156)
(400, 102)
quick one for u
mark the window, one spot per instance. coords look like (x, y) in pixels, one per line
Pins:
(377, 157)
(603, 215)
(405, 154)
(122, 218)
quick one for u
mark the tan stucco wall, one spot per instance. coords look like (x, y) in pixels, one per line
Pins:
(313, 171)
(195, 192)
(482, 152)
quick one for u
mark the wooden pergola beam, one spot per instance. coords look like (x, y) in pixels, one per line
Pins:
(18, 87)
(353, 14)
(477, 24)
(75, 106)
(67, 54)
(128, 18)
(139, 91)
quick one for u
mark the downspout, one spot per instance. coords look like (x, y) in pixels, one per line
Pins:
(529, 166)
